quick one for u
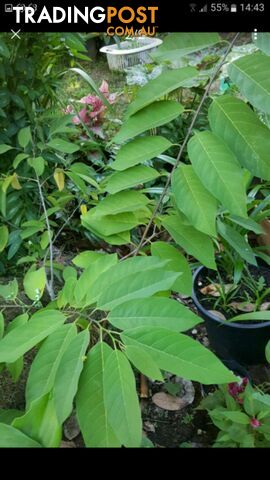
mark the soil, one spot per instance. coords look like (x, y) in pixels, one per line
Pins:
(184, 428)
(241, 295)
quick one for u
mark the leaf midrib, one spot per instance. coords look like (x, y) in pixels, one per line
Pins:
(242, 136)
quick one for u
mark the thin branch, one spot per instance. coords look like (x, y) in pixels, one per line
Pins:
(61, 229)
(49, 283)
(181, 150)
(67, 221)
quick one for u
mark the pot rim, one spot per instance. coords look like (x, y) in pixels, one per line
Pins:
(149, 44)
(214, 317)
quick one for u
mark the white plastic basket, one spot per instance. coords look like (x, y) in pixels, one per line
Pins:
(121, 57)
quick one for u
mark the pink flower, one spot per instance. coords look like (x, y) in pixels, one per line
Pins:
(96, 104)
(82, 117)
(255, 423)
(234, 389)
(69, 109)
(104, 88)
(93, 112)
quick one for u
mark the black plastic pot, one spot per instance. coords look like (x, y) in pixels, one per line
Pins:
(243, 343)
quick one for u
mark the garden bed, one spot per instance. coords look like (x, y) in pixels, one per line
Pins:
(111, 196)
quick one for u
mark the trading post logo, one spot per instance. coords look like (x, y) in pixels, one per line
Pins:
(116, 20)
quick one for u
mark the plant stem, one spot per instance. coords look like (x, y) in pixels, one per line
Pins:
(49, 283)
(181, 150)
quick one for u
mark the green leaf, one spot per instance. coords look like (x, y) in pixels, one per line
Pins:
(177, 263)
(130, 178)
(85, 172)
(247, 223)
(237, 241)
(237, 417)
(17, 322)
(3, 237)
(4, 50)
(238, 125)
(20, 340)
(195, 243)
(107, 225)
(121, 400)
(63, 146)
(263, 398)
(143, 362)
(176, 45)
(73, 42)
(15, 369)
(3, 200)
(2, 326)
(9, 291)
(121, 202)
(77, 181)
(251, 74)
(262, 41)
(40, 422)
(68, 374)
(155, 312)
(10, 437)
(263, 316)
(122, 270)
(92, 84)
(92, 415)
(7, 416)
(34, 283)
(158, 87)
(84, 288)
(44, 240)
(5, 148)
(219, 171)
(139, 285)
(19, 158)
(267, 352)
(29, 232)
(24, 137)
(44, 367)
(179, 354)
(140, 150)
(199, 206)
(69, 272)
(150, 117)
(38, 164)
(86, 258)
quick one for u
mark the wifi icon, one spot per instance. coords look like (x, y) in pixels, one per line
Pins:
(192, 7)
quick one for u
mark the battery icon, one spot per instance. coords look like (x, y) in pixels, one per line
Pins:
(233, 8)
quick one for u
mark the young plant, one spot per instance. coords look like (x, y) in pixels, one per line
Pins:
(241, 413)
(103, 323)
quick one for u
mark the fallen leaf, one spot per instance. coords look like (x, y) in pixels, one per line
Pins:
(149, 427)
(176, 402)
(214, 289)
(182, 296)
(217, 314)
(59, 178)
(167, 401)
(205, 341)
(265, 306)
(243, 306)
